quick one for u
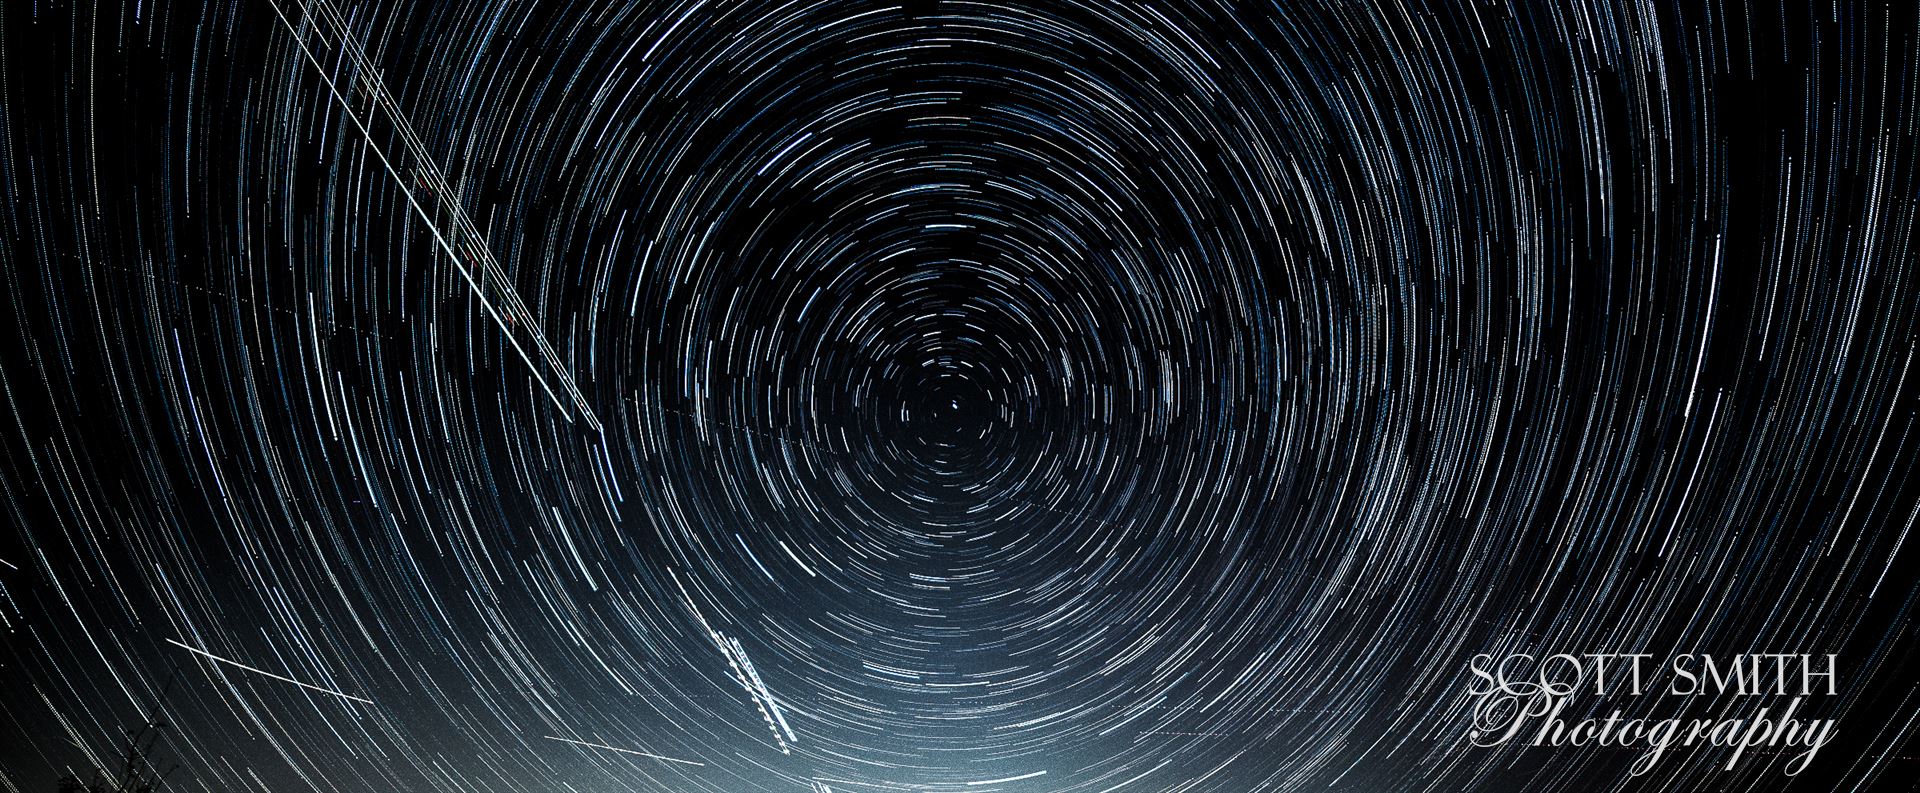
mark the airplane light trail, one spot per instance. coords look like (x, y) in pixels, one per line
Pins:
(662, 758)
(257, 670)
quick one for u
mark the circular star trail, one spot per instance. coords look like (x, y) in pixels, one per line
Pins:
(943, 396)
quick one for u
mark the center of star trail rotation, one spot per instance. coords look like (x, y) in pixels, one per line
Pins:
(940, 396)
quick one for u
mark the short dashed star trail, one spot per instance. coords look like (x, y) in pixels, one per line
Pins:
(948, 396)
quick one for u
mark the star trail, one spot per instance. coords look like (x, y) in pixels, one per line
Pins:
(947, 396)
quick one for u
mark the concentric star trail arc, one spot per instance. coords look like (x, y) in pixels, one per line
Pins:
(958, 396)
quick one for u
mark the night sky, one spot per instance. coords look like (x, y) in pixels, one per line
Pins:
(956, 396)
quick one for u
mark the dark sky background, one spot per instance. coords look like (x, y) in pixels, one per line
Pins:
(944, 396)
